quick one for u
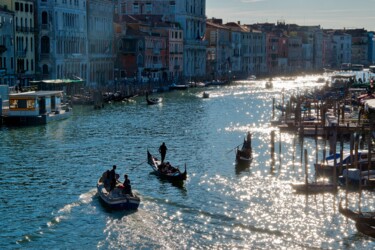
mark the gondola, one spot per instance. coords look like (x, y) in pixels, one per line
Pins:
(366, 228)
(153, 101)
(165, 170)
(244, 155)
(367, 217)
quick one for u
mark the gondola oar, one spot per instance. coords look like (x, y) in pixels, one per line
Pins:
(234, 148)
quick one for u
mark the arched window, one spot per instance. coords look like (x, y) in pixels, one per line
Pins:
(44, 17)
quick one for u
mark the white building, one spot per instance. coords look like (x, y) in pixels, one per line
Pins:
(62, 39)
(341, 48)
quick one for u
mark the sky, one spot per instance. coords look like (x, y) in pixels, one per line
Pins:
(329, 14)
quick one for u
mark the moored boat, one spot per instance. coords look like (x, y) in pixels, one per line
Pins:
(366, 228)
(117, 199)
(165, 170)
(327, 167)
(153, 101)
(314, 187)
(368, 217)
(178, 86)
(356, 177)
(36, 108)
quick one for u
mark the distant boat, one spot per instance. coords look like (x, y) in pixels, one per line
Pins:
(269, 85)
(217, 82)
(178, 86)
(205, 95)
(153, 101)
(251, 78)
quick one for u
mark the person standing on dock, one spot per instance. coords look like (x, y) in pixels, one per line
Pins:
(163, 151)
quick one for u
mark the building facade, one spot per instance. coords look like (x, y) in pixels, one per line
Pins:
(7, 53)
(62, 39)
(24, 39)
(100, 42)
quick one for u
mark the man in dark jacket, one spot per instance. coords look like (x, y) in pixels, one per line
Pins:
(163, 151)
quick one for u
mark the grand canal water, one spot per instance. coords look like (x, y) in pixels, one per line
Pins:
(48, 178)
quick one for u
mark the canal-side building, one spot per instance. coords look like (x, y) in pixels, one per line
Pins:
(191, 17)
(100, 42)
(7, 67)
(295, 52)
(237, 33)
(258, 60)
(62, 39)
(371, 48)
(24, 39)
(141, 52)
(359, 46)
(174, 50)
(219, 49)
(341, 48)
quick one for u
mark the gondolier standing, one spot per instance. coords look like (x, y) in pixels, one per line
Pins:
(163, 151)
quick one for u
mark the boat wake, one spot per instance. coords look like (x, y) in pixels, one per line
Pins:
(58, 217)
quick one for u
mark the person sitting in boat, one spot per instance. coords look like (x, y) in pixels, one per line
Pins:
(127, 187)
(112, 178)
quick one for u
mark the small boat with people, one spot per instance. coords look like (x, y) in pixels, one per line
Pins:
(118, 197)
(154, 100)
(206, 95)
(165, 169)
(244, 154)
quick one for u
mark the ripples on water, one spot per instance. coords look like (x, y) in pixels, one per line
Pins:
(48, 178)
